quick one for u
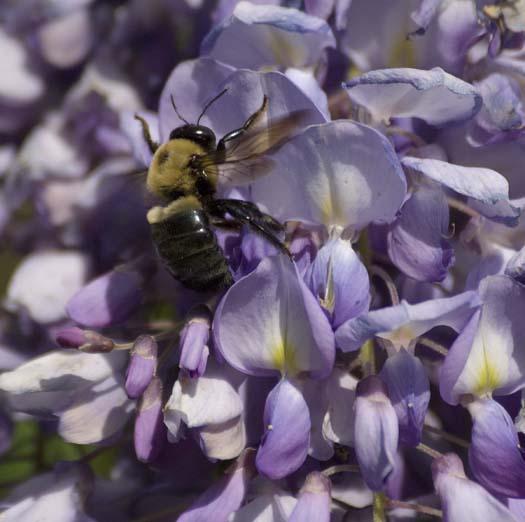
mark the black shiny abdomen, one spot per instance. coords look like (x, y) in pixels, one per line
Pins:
(189, 249)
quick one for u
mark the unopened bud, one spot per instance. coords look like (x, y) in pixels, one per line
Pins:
(142, 366)
(194, 339)
(84, 340)
(150, 430)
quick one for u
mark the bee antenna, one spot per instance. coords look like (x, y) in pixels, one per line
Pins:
(177, 112)
(207, 106)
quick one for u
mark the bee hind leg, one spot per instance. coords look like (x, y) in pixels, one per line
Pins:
(153, 145)
(247, 213)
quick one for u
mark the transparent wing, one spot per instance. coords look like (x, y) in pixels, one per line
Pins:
(246, 158)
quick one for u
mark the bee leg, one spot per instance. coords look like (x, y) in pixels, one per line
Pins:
(153, 145)
(234, 134)
(227, 224)
(248, 214)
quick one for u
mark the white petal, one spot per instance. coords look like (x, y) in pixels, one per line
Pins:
(96, 414)
(203, 401)
(17, 82)
(223, 441)
(44, 282)
(338, 424)
(61, 370)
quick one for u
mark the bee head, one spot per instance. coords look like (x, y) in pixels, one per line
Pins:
(200, 134)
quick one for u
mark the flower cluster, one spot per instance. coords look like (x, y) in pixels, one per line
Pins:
(375, 372)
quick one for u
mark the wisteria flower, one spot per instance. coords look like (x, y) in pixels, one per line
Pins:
(351, 174)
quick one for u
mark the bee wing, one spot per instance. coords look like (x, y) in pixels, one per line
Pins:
(246, 158)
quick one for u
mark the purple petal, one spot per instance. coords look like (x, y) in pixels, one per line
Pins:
(494, 454)
(515, 267)
(376, 432)
(196, 82)
(502, 116)
(193, 342)
(416, 240)
(142, 366)
(284, 445)
(433, 96)
(463, 499)
(425, 13)
(340, 281)
(108, 299)
(456, 30)
(488, 190)
(225, 496)
(309, 85)
(455, 361)
(192, 83)
(488, 357)
(150, 432)
(253, 249)
(269, 322)
(340, 173)
(248, 39)
(319, 8)
(409, 392)
(388, 22)
(403, 323)
(314, 500)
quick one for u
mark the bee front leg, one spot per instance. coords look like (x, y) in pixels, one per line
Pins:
(153, 145)
(234, 134)
(247, 213)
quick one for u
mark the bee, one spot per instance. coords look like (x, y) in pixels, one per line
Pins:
(184, 173)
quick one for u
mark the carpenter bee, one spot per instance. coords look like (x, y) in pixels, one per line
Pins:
(184, 173)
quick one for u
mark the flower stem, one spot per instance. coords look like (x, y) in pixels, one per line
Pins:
(418, 508)
(428, 450)
(341, 468)
(433, 345)
(447, 436)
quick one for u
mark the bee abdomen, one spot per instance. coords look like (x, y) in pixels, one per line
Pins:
(189, 249)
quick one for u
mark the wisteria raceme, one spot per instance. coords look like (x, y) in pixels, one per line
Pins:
(356, 167)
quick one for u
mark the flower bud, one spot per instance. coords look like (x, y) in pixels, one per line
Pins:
(194, 339)
(109, 299)
(376, 432)
(461, 498)
(150, 431)
(314, 499)
(84, 340)
(142, 366)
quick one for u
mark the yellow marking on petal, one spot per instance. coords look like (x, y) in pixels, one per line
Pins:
(327, 210)
(328, 300)
(283, 358)
(402, 52)
(331, 212)
(400, 337)
(285, 51)
(489, 377)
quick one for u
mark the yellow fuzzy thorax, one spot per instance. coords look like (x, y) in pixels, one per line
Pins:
(170, 171)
